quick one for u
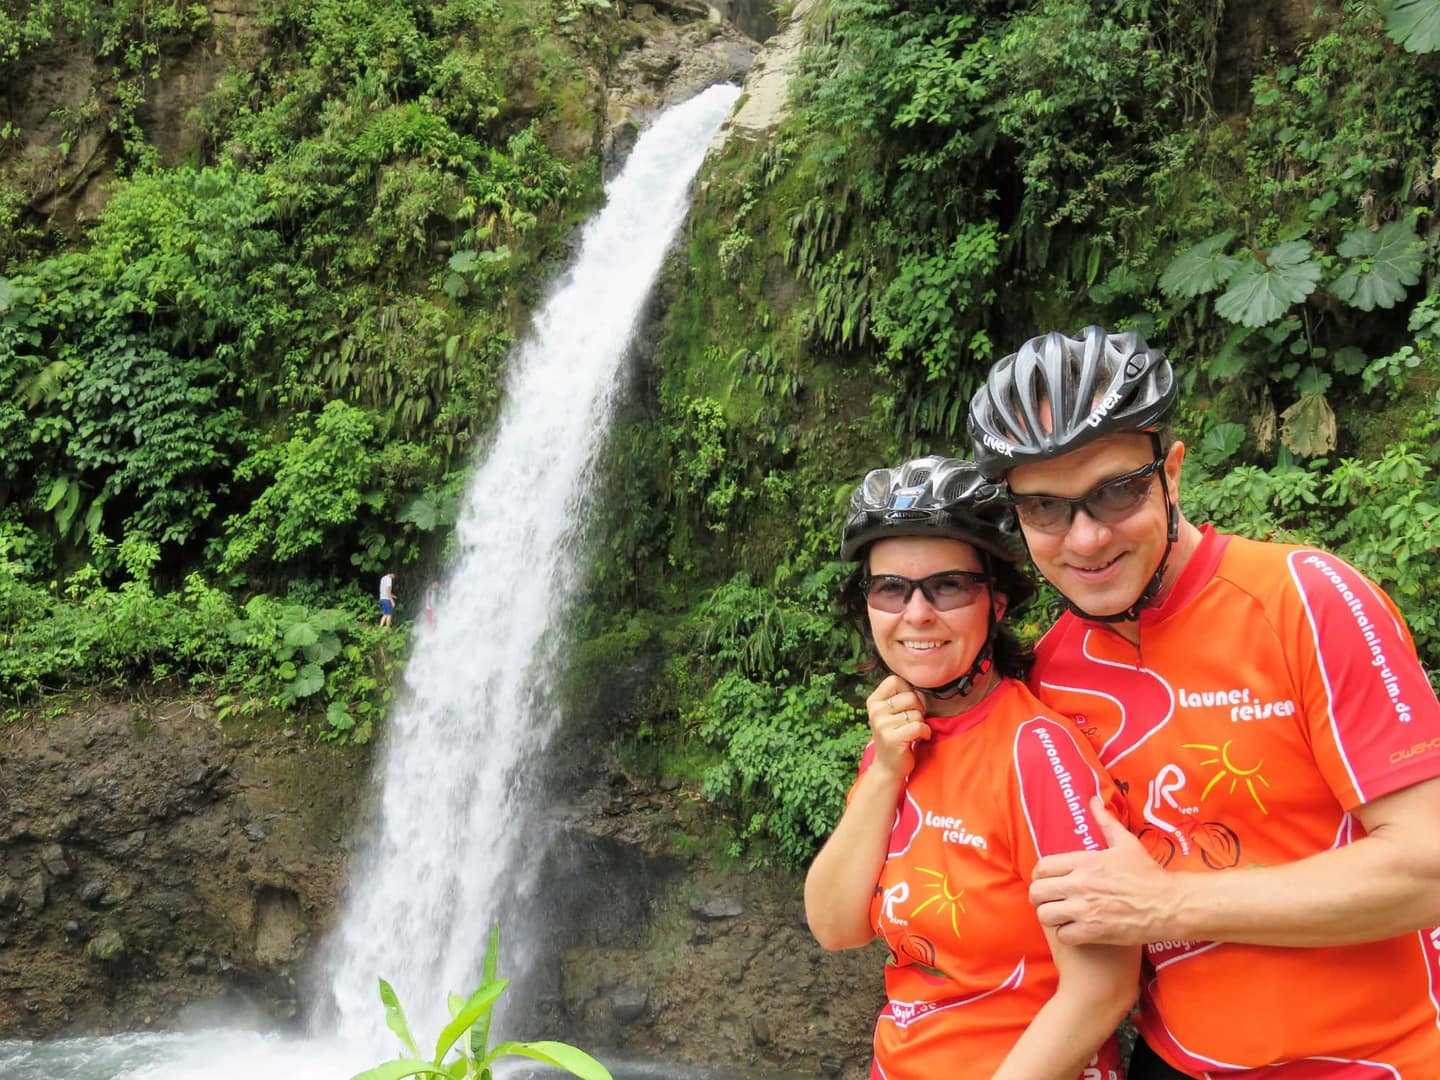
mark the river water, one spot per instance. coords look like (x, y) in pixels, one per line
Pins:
(453, 840)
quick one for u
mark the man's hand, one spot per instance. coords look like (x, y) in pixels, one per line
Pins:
(1119, 896)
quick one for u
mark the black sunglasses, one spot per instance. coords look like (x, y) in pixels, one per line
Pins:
(1108, 503)
(945, 591)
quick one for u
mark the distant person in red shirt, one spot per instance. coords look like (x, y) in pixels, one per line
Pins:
(432, 601)
(1262, 708)
(968, 780)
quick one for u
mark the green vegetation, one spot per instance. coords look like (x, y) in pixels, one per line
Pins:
(255, 383)
(950, 183)
(468, 1034)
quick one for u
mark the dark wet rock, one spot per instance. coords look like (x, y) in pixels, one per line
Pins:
(56, 863)
(629, 1003)
(716, 907)
(208, 778)
(34, 893)
(760, 1033)
(106, 947)
(92, 893)
(680, 9)
(129, 845)
(112, 896)
(627, 915)
(204, 914)
(138, 823)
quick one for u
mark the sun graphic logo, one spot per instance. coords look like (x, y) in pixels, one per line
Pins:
(1236, 774)
(944, 899)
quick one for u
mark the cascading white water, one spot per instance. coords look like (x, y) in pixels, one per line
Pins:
(451, 822)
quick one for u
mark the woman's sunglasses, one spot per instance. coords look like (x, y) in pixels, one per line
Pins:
(1108, 503)
(945, 591)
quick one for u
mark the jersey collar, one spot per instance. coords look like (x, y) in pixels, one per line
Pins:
(946, 726)
(1193, 576)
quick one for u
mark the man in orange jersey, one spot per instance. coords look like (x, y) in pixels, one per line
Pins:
(1263, 710)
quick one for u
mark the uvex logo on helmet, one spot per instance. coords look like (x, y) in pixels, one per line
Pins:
(998, 445)
(1096, 418)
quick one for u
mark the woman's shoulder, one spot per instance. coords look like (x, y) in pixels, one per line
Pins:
(1034, 726)
(1018, 696)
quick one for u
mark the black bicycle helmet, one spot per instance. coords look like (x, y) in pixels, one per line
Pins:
(932, 496)
(1058, 393)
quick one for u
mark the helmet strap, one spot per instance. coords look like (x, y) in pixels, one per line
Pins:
(982, 662)
(1152, 588)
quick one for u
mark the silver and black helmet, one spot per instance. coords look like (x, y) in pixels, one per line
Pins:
(932, 496)
(1058, 393)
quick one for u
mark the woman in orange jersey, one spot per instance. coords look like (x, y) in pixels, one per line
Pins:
(967, 781)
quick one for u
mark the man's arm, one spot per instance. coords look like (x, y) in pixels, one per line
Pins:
(1384, 884)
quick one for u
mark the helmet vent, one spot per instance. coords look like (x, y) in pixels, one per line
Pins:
(1056, 394)
(930, 496)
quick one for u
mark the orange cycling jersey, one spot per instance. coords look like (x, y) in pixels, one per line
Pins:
(1273, 692)
(992, 790)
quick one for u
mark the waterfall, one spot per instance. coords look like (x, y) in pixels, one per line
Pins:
(452, 824)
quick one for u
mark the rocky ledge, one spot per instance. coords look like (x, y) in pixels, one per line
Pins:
(150, 861)
(661, 951)
(155, 862)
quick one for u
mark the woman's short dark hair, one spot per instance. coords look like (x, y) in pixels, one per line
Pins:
(1013, 657)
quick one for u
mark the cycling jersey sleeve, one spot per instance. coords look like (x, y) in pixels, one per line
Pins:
(1372, 716)
(1056, 779)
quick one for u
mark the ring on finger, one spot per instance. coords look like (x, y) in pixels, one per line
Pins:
(904, 715)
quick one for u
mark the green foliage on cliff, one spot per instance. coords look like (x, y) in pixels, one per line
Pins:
(950, 183)
(266, 656)
(267, 365)
(269, 362)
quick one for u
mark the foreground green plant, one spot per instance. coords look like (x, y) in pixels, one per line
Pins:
(469, 1033)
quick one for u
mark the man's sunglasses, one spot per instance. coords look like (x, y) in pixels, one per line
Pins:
(1109, 503)
(945, 591)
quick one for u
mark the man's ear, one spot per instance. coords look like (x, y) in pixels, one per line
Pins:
(1174, 458)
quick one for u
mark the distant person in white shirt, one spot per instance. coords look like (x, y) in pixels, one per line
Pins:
(387, 598)
(432, 599)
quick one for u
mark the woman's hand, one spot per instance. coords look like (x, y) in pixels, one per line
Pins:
(897, 720)
(840, 886)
